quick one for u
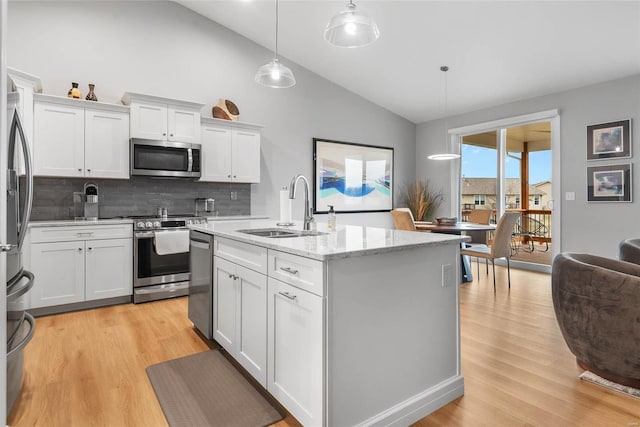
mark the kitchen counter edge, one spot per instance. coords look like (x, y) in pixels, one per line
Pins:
(347, 241)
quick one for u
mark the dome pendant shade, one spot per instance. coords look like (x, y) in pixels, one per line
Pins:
(351, 28)
(276, 75)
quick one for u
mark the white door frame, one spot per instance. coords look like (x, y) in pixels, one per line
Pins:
(552, 116)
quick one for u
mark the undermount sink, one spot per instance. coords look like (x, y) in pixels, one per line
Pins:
(279, 232)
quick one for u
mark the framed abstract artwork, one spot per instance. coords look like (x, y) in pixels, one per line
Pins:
(610, 183)
(609, 140)
(352, 177)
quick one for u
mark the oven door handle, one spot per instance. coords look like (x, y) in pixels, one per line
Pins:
(190, 165)
(143, 234)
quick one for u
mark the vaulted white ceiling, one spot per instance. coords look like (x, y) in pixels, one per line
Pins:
(497, 51)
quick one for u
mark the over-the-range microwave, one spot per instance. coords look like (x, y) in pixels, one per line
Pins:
(165, 158)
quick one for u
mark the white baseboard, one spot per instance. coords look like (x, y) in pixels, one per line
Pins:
(419, 405)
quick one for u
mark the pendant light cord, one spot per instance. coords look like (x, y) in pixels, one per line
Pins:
(444, 69)
(276, 50)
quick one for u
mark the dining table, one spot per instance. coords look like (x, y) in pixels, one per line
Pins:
(456, 228)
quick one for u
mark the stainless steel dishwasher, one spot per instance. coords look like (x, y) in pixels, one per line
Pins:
(201, 283)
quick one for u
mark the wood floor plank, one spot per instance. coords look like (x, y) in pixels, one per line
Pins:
(88, 368)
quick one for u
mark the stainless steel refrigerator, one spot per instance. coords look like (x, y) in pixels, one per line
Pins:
(20, 324)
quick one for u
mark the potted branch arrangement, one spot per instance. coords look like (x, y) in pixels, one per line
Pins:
(421, 199)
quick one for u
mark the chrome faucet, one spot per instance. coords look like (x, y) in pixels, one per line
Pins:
(308, 214)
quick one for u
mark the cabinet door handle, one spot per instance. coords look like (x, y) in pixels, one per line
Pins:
(88, 170)
(289, 270)
(79, 249)
(233, 276)
(164, 134)
(288, 295)
(228, 176)
(79, 169)
(84, 233)
(90, 248)
(170, 134)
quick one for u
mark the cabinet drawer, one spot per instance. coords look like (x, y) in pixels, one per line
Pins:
(70, 233)
(305, 273)
(250, 256)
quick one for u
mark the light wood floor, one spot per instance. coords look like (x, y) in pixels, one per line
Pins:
(88, 368)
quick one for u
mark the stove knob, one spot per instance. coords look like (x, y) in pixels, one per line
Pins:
(140, 224)
(156, 224)
(149, 224)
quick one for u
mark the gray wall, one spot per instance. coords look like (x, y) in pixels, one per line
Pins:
(595, 228)
(164, 49)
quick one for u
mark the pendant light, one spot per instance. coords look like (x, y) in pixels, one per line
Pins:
(351, 28)
(274, 74)
(446, 155)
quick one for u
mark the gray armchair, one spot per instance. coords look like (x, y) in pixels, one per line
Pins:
(597, 305)
(629, 250)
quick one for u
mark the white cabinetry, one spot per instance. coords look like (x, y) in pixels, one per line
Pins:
(230, 151)
(26, 85)
(80, 263)
(163, 119)
(75, 138)
(240, 304)
(295, 319)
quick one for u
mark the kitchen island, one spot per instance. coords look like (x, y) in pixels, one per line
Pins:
(358, 326)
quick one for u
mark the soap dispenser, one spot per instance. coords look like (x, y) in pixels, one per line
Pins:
(331, 221)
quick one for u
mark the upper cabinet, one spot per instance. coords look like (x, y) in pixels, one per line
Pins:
(230, 151)
(26, 85)
(163, 119)
(76, 138)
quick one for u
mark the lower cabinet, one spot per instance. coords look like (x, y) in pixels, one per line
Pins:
(108, 268)
(268, 309)
(59, 271)
(240, 314)
(295, 351)
(80, 268)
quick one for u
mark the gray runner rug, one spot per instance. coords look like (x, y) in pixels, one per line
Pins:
(596, 379)
(205, 389)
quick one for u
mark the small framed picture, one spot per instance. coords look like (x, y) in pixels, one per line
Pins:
(609, 183)
(609, 140)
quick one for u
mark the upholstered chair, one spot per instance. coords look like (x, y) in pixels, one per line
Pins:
(629, 250)
(597, 305)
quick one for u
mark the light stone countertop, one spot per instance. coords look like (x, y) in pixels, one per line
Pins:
(84, 222)
(79, 222)
(347, 241)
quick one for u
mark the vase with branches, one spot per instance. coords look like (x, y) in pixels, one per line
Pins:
(421, 199)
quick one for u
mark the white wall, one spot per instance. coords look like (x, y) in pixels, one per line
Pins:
(164, 49)
(595, 228)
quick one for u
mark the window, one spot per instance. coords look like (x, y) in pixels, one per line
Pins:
(518, 201)
(479, 200)
(536, 200)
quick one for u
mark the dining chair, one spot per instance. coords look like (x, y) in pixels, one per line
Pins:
(479, 216)
(501, 246)
(403, 219)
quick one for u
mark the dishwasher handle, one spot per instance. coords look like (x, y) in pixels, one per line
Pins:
(200, 244)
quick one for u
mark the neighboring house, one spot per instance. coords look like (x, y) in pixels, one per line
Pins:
(545, 187)
(480, 193)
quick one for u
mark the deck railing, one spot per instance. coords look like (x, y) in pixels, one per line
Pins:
(535, 226)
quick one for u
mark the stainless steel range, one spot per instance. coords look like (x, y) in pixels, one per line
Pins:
(161, 257)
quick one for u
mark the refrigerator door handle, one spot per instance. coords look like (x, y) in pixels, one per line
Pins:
(14, 291)
(18, 347)
(16, 125)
